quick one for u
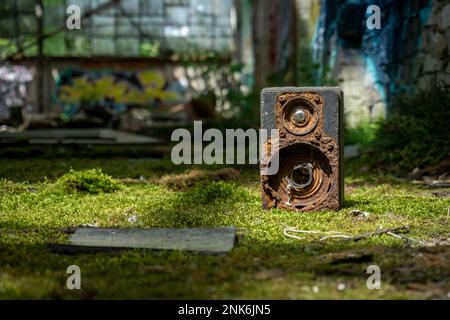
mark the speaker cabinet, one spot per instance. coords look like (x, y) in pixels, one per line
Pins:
(309, 151)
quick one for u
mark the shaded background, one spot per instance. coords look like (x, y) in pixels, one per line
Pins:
(146, 67)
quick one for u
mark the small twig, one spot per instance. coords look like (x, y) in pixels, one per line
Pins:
(344, 237)
(329, 233)
(377, 233)
(335, 236)
(395, 235)
(407, 239)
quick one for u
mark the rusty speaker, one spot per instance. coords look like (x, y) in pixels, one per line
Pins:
(309, 148)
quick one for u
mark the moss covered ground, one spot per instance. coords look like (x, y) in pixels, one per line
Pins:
(37, 208)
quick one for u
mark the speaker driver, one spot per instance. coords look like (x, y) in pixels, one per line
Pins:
(300, 116)
(304, 178)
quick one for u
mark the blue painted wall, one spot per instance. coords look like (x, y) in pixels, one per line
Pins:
(387, 50)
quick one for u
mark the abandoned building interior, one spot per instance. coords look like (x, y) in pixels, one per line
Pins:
(95, 93)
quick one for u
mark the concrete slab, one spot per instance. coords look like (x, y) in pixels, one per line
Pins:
(76, 136)
(201, 240)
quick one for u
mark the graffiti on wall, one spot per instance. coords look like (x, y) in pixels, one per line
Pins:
(106, 95)
(385, 57)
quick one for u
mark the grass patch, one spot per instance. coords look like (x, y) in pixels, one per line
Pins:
(264, 263)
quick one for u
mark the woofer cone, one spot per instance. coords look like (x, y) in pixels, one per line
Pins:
(304, 177)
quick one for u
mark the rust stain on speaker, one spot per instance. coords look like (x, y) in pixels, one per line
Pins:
(309, 175)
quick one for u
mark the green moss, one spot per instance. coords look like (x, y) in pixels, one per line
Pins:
(87, 181)
(10, 187)
(215, 192)
(263, 264)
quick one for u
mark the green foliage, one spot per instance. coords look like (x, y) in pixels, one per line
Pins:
(150, 49)
(92, 181)
(55, 45)
(313, 74)
(7, 47)
(416, 134)
(363, 134)
(307, 74)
